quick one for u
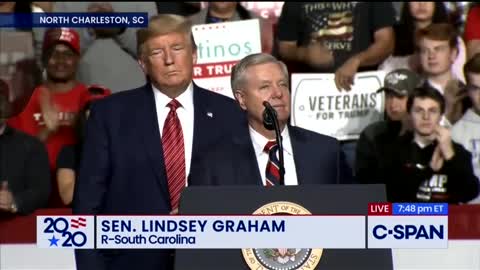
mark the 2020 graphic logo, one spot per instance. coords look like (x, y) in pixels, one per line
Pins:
(65, 231)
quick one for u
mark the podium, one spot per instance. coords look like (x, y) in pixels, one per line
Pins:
(317, 199)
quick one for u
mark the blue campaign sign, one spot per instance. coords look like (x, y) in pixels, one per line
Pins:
(433, 209)
(54, 20)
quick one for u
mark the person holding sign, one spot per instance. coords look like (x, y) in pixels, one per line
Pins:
(253, 158)
(336, 37)
(140, 144)
(219, 12)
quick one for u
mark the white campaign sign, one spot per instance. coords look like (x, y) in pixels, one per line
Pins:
(318, 106)
(219, 47)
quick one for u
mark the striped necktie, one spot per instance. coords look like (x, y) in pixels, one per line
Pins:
(174, 153)
(272, 171)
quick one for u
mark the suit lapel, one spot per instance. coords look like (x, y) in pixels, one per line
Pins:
(203, 121)
(151, 138)
(246, 164)
(300, 149)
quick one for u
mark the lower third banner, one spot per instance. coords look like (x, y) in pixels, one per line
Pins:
(123, 232)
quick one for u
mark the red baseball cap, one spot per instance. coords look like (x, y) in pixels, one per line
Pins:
(67, 36)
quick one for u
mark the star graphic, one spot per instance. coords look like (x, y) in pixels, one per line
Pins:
(53, 241)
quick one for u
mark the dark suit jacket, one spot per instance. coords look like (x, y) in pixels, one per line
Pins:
(318, 160)
(122, 169)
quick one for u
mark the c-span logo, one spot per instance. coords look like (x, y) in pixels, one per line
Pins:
(65, 231)
(282, 258)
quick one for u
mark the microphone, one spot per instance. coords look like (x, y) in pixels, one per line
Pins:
(269, 114)
(270, 122)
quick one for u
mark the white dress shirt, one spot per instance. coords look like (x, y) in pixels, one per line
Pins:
(185, 114)
(437, 86)
(259, 142)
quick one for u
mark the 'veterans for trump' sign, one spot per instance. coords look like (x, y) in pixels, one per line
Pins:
(317, 105)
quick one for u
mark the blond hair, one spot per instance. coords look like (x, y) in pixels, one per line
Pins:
(163, 24)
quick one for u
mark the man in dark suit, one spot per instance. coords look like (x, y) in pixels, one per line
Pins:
(252, 158)
(140, 143)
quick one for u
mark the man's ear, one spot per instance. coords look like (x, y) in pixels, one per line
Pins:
(194, 56)
(142, 65)
(240, 97)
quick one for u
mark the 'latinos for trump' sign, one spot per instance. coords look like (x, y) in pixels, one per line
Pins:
(317, 105)
(219, 47)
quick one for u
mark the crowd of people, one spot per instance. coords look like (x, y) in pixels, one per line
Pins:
(54, 154)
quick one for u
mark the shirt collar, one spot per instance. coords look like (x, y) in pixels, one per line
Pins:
(420, 144)
(439, 87)
(259, 141)
(436, 86)
(186, 98)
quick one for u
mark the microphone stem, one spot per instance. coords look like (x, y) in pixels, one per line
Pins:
(272, 114)
(280, 150)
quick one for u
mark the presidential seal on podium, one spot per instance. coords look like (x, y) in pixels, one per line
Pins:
(282, 258)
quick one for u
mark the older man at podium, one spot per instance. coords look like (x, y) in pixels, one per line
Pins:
(261, 87)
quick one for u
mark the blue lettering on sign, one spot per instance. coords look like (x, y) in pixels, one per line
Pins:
(116, 226)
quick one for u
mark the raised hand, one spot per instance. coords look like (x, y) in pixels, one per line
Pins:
(49, 110)
(444, 139)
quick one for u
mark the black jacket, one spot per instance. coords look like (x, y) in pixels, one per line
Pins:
(24, 165)
(410, 177)
(373, 148)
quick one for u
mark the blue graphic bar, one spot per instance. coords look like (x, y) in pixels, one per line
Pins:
(421, 209)
(55, 20)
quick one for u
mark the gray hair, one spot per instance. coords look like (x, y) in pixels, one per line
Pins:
(237, 78)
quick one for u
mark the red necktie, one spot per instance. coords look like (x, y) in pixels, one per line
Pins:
(272, 171)
(174, 153)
